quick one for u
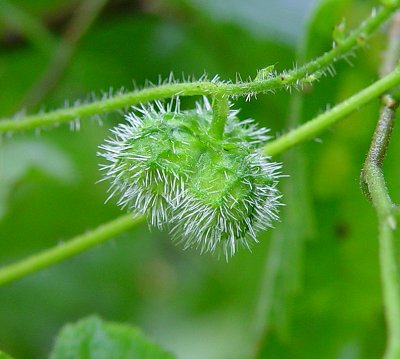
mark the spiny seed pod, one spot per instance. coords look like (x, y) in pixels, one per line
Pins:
(215, 193)
(149, 158)
(230, 198)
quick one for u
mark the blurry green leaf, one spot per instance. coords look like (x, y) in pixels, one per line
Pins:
(198, 299)
(337, 313)
(17, 19)
(17, 157)
(281, 19)
(91, 338)
(4, 356)
(283, 270)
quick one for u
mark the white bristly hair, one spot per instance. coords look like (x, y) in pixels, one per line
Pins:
(154, 176)
(133, 177)
(233, 223)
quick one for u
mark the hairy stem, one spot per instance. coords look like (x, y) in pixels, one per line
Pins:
(312, 128)
(213, 88)
(68, 249)
(374, 187)
(217, 90)
(377, 192)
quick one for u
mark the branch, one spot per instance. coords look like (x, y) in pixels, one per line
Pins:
(307, 73)
(374, 187)
(312, 128)
(378, 194)
(68, 249)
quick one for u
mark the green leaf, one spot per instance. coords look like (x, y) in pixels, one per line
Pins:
(92, 338)
(4, 356)
(21, 155)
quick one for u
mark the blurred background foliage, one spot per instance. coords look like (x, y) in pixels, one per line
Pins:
(309, 289)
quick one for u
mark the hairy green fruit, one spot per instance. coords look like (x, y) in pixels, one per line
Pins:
(149, 158)
(214, 193)
(230, 198)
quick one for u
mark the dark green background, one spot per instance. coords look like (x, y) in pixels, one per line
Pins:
(321, 276)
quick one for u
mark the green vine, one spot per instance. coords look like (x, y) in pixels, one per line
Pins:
(315, 126)
(67, 249)
(209, 177)
(374, 187)
(376, 190)
(267, 80)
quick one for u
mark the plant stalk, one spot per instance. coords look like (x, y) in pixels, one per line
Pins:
(314, 127)
(68, 249)
(375, 185)
(220, 107)
(297, 76)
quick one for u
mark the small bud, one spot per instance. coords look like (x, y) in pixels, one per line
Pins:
(361, 40)
(339, 32)
(265, 73)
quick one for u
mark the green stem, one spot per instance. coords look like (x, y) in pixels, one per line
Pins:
(220, 109)
(103, 106)
(389, 266)
(374, 187)
(296, 76)
(68, 249)
(375, 184)
(312, 128)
